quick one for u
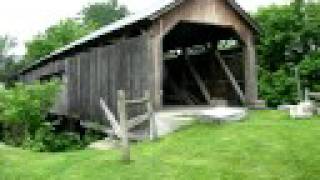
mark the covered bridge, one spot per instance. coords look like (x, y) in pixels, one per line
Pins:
(186, 52)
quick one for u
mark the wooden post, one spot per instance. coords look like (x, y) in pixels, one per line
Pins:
(153, 131)
(251, 76)
(123, 126)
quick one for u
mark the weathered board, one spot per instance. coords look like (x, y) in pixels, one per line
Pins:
(54, 68)
(99, 72)
(102, 71)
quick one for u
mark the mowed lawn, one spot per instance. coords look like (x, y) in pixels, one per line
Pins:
(266, 146)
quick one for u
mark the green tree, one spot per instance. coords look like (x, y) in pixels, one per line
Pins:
(27, 105)
(290, 37)
(279, 30)
(310, 71)
(103, 13)
(55, 37)
(67, 31)
(7, 61)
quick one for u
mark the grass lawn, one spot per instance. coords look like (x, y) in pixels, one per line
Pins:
(266, 146)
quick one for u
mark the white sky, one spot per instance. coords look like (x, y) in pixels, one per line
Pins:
(23, 19)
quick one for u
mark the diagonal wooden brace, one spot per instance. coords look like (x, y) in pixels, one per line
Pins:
(231, 77)
(200, 82)
(110, 116)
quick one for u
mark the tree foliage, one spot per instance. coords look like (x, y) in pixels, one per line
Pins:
(66, 31)
(290, 38)
(277, 88)
(310, 71)
(7, 61)
(27, 104)
(103, 13)
(55, 37)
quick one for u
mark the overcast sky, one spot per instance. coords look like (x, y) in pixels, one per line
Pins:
(23, 19)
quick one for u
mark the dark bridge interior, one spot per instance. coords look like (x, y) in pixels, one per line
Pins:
(192, 75)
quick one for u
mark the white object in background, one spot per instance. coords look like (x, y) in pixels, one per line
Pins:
(105, 144)
(303, 110)
(168, 121)
(223, 113)
(285, 107)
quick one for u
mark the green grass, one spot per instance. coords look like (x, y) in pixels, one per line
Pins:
(266, 146)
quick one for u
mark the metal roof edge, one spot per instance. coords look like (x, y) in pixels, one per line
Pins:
(247, 17)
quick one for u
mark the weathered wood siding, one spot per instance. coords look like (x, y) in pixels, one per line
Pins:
(50, 69)
(100, 72)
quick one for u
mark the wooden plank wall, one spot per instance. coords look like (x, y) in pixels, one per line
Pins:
(101, 71)
(54, 67)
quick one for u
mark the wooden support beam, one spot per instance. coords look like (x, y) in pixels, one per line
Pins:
(150, 112)
(123, 126)
(204, 90)
(251, 75)
(135, 121)
(231, 77)
(110, 116)
(202, 85)
(138, 101)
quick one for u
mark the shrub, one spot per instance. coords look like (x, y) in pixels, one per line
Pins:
(277, 88)
(1, 132)
(91, 136)
(23, 109)
(14, 134)
(46, 140)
